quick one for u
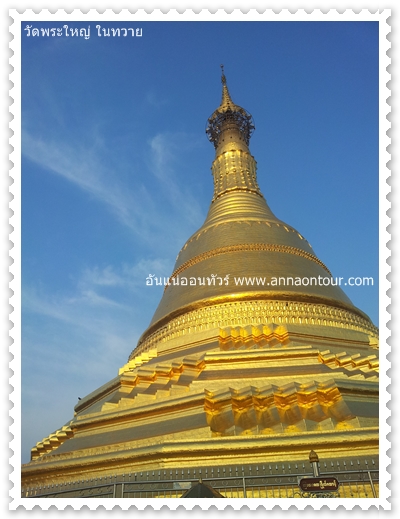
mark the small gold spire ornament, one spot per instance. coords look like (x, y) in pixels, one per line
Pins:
(223, 78)
(313, 457)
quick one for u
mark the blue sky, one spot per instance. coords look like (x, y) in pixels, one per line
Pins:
(116, 175)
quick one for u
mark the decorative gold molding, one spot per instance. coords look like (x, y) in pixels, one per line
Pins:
(254, 312)
(137, 361)
(164, 377)
(236, 337)
(247, 221)
(364, 363)
(103, 461)
(51, 442)
(247, 247)
(273, 409)
(273, 335)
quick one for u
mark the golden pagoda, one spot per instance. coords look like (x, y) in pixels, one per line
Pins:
(254, 357)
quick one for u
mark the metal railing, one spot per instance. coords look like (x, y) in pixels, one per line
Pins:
(353, 483)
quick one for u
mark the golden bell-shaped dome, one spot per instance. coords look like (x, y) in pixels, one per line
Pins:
(243, 252)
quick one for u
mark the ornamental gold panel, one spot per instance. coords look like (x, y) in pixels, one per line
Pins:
(234, 170)
(271, 409)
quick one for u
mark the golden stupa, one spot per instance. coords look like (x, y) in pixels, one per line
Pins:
(253, 358)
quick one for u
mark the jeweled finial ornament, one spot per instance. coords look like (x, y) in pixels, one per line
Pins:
(228, 114)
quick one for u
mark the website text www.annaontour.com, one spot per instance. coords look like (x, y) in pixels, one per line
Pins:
(251, 281)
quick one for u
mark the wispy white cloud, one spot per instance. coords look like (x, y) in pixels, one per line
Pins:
(128, 277)
(76, 331)
(155, 99)
(166, 149)
(106, 277)
(95, 299)
(32, 302)
(82, 167)
(137, 204)
(80, 310)
(107, 295)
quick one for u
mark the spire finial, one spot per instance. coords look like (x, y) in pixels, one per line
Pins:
(226, 98)
(223, 78)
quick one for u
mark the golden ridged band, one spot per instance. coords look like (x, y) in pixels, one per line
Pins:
(232, 189)
(247, 247)
(246, 221)
(253, 312)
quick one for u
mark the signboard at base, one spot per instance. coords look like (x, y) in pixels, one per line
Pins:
(319, 484)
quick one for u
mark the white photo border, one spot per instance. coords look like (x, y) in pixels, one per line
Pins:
(384, 253)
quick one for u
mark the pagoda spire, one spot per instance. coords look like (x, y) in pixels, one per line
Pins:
(229, 128)
(229, 116)
(226, 102)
